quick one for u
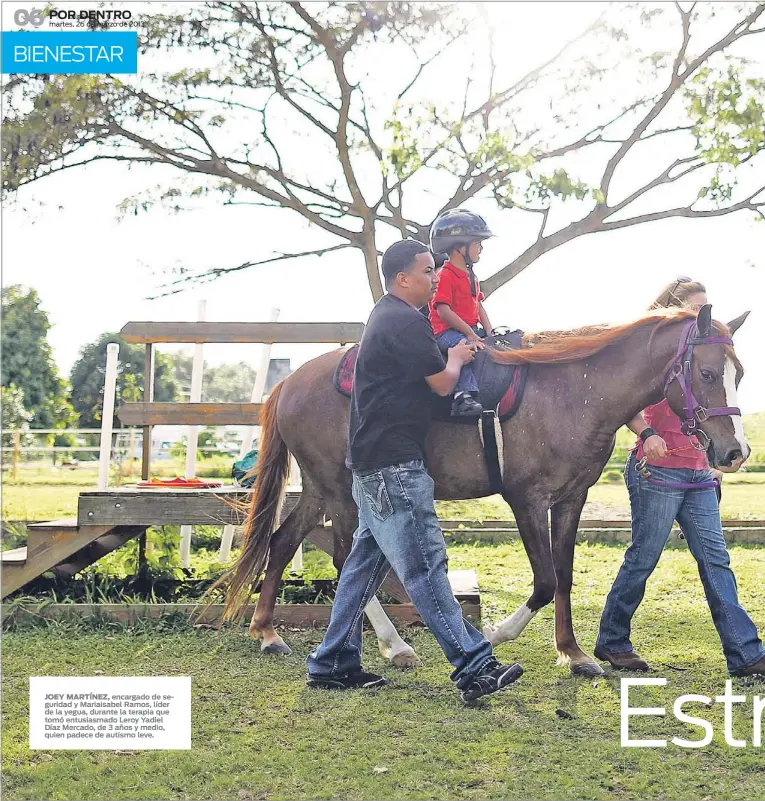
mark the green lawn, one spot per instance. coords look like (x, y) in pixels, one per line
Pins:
(44, 493)
(259, 733)
(743, 498)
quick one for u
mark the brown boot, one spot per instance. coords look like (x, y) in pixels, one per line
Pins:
(629, 660)
(755, 669)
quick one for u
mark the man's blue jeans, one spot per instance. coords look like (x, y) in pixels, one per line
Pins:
(448, 339)
(654, 509)
(398, 528)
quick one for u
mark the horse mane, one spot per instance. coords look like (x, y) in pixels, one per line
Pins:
(559, 347)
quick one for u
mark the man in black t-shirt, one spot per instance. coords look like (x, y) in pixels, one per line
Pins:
(398, 366)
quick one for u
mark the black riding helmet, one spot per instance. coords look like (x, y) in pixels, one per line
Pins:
(455, 228)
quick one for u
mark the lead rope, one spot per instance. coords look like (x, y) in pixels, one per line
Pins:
(646, 473)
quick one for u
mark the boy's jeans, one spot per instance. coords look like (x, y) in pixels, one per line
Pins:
(398, 528)
(448, 339)
(654, 509)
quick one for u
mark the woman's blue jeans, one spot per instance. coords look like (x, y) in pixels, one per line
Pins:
(448, 339)
(654, 509)
(398, 528)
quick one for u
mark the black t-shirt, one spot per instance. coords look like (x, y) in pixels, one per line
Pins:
(390, 406)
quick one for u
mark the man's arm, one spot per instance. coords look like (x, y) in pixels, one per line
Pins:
(444, 382)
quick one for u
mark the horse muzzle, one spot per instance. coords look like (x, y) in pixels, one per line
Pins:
(731, 461)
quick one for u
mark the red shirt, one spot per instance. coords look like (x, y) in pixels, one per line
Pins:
(454, 291)
(667, 425)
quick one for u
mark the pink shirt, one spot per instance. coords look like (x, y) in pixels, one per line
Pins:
(667, 425)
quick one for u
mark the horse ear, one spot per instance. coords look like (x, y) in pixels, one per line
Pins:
(734, 325)
(704, 320)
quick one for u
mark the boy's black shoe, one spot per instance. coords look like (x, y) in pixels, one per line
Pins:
(359, 679)
(464, 405)
(493, 676)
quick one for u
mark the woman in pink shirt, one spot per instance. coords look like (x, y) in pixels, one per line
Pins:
(671, 458)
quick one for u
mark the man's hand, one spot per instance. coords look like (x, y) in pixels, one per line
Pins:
(655, 448)
(463, 352)
(476, 341)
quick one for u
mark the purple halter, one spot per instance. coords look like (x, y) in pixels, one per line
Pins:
(694, 413)
(680, 369)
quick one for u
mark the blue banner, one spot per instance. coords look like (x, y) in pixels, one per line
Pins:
(70, 52)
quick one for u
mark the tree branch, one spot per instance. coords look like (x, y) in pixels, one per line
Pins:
(688, 211)
(216, 272)
(677, 79)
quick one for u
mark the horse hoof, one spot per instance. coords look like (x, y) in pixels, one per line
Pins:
(406, 659)
(280, 648)
(587, 669)
(491, 634)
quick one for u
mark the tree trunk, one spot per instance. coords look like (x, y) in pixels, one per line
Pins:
(373, 271)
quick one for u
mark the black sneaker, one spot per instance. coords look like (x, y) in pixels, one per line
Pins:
(466, 406)
(493, 676)
(359, 679)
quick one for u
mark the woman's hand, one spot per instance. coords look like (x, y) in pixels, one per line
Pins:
(655, 448)
(717, 475)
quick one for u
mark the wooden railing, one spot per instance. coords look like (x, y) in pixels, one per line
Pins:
(148, 413)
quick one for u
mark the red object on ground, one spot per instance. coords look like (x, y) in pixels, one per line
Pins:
(178, 483)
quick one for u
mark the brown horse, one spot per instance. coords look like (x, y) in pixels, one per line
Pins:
(581, 387)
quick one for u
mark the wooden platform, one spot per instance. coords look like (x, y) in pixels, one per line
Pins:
(107, 519)
(163, 507)
(62, 546)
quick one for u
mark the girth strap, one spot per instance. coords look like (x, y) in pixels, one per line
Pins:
(490, 433)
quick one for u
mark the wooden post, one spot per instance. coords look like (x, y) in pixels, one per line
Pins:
(192, 435)
(294, 480)
(107, 414)
(16, 451)
(224, 553)
(141, 567)
(148, 397)
(131, 451)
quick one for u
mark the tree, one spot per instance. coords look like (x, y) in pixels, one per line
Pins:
(226, 383)
(15, 416)
(28, 364)
(88, 373)
(665, 87)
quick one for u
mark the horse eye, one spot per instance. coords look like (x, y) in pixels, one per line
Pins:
(708, 376)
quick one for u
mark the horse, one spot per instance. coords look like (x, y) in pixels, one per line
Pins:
(581, 387)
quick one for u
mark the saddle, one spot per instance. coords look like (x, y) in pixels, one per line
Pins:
(500, 389)
(500, 386)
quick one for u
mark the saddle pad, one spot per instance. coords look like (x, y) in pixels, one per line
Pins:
(500, 386)
(343, 378)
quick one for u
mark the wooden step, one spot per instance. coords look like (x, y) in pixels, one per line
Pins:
(17, 556)
(64, 523)
(48, 544)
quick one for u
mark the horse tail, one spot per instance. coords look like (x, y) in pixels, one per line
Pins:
(263, 513)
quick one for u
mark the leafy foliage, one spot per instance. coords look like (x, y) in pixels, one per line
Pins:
(226, 383)
(27, 365)
(88, 372)
(251, 84)
(15, 416)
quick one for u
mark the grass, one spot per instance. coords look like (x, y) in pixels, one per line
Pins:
(44, 493)
(743, 498)
(258, 733)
